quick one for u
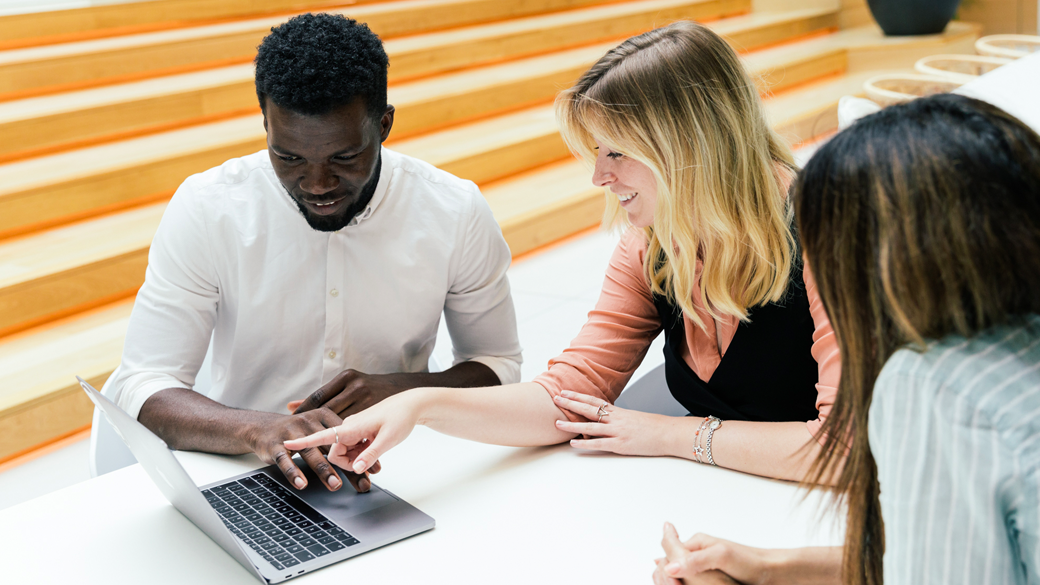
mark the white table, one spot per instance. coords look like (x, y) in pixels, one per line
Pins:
(504, 515)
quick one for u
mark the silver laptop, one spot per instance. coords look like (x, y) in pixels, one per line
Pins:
(276, 532)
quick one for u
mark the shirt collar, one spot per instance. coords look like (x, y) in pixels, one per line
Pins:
(385, 171)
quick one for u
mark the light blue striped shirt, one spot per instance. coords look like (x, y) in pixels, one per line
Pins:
(955, 432)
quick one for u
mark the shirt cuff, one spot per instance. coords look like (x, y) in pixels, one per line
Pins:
(507, 369)
(131, 393)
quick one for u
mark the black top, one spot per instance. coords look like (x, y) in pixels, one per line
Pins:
(767, 373)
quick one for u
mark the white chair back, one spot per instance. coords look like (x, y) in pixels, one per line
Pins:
(108, 452)
(650, 394)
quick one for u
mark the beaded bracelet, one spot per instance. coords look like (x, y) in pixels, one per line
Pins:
(697, 449)
(716, 422)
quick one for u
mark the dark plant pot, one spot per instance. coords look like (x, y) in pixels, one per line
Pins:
(913, 17)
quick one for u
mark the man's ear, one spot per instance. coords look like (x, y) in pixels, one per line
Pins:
(385, 123)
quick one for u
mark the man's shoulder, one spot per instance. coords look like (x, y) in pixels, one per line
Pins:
(411, 172)
(248, 171)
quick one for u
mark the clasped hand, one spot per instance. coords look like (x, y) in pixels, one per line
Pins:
(706, 560)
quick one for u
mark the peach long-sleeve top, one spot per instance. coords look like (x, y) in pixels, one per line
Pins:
(613, 342)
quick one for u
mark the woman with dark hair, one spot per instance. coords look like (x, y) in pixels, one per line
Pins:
(922, 223)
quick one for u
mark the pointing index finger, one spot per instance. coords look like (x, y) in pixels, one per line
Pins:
(326, 437)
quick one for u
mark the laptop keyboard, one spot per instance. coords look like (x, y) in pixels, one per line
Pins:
(274, 522)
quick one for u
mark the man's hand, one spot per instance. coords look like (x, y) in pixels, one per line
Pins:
(352, 391)
(267, 442)
(359, 442)
(188, 421)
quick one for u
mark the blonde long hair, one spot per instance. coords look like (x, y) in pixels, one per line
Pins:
(678, 100)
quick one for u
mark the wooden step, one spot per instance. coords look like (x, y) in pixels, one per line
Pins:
(40, 399)
(60, 272)
(491, 149)
(761, 29)
(36, 125)
(34, 70)
(50, 123)
(458, 48)
(544, 205)
(37, 28)
(811, 111)
(47, 191)
(50, 274)
(103, 178)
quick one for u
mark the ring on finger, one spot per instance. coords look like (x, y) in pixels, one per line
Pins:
(336, 430)
(602, 412)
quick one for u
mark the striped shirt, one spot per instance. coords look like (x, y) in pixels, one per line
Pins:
(955, 432)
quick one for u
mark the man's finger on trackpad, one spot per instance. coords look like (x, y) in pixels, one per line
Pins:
(361, 482)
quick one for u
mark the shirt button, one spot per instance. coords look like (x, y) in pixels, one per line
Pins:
(332, 355)
(334, 292)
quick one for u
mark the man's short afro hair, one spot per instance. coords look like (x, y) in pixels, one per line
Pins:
(314, 63)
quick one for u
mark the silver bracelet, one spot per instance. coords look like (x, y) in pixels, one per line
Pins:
(715, 423)
(697, 449)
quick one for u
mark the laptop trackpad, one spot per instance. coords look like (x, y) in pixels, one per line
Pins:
(338, 505)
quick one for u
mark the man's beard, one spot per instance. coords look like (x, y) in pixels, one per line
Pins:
(338, 221)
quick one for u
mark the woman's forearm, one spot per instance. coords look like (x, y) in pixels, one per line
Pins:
(520, 415)
(781, 450)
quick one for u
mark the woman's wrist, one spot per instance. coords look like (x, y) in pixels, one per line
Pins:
(419, 402)
(679, 439)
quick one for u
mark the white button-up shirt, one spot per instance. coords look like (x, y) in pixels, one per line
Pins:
(289, 307)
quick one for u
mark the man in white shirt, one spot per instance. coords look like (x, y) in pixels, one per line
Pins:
(319, 267)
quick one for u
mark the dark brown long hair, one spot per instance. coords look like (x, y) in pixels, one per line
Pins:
(919, 221)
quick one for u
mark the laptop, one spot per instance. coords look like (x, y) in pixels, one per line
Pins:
(273, 530)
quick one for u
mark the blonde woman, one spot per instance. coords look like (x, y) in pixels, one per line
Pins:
(674, 128)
